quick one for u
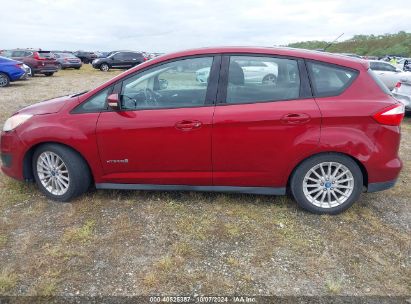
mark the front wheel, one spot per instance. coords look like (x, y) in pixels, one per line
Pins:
(327, 183)
(60, 173)
(104, 67)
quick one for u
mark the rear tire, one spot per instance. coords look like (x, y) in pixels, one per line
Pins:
(48, 74)
(327, 183)
(60, 173)
(4, 80)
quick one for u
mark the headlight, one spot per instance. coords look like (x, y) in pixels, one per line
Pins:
(14, 121)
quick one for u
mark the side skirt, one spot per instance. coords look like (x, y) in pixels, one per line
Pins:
(249, 190)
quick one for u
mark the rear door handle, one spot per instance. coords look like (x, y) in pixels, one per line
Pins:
(187, 125)
(296, 118)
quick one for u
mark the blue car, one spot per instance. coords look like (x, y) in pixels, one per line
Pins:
(10, 70)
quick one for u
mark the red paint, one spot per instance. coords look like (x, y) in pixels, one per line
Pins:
(238, 145)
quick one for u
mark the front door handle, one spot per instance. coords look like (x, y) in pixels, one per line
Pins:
(296, 118)
(187, 125)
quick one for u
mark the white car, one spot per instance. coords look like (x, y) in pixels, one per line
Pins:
(254, 72)
(387, 73)
(402, 92)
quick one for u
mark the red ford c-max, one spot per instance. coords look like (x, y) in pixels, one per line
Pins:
(235, 119)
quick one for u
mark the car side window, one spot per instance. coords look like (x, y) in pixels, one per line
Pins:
(18, 54)
(96, 103)
(330, 80)
(177, 84)
(262, 78)
(118, 56)
(388, 67)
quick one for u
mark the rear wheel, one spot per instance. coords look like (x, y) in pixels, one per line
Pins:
(104, 67)
(327, 183)
(269, 79)
(60, 173)
(48, 74)
(4, 80)
(59, 67)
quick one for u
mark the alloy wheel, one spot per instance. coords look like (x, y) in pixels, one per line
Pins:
(3, 80)
(328, 184)
(53, 173)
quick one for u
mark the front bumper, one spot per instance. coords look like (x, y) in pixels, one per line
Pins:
(12, 152)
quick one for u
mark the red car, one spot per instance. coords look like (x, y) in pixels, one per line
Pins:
(323, 129)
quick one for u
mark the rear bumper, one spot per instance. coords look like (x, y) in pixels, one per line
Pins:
(45, 70)
(404, 99)
(374, 187)
(71, 65)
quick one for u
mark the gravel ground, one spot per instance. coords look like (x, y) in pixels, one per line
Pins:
(140, 243)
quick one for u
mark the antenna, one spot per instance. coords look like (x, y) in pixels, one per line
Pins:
(331, 43)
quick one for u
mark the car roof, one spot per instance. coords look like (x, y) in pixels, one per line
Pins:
(337, 59)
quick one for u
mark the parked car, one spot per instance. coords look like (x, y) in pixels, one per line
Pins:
(389, 74)
(39, 62)
(255, 71)
(67, 60)
(85, 57)
(118, 60)
(10, 70)
(402, 92)
(324, 134)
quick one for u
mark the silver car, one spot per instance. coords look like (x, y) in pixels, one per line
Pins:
(402, 92)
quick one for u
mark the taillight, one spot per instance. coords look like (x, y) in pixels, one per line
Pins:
(37, 56)
(391, 116)
(19, 65)
(398, 85)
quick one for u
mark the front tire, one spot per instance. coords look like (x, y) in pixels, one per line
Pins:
(327, 183)
(104, 67)
(60, 173)
(4, 80)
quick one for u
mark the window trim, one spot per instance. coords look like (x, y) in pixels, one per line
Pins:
(116, 87)
(77, 110)
(340, 91)
(304, 91)
(211, 91)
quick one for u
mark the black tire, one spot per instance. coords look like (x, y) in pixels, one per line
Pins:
(4, 80)
(78, 170)
(104, 67)
(77, 68)
(48, 74)
(297, 180)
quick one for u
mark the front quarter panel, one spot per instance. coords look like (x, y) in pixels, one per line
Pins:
(74, 130)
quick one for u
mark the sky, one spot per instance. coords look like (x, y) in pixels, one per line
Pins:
(171, 25)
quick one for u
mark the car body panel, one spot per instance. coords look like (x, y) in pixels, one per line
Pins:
(12, 68)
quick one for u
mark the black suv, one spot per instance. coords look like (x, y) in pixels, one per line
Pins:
(85, 57)
(119, 60)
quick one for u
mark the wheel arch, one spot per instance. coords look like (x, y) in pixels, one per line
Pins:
(28, 159)
(358, 162)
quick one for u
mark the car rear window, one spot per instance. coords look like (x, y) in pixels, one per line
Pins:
(378, 81)
(43, 54)
(329, 79)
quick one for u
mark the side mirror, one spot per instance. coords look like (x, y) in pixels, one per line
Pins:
(163, 84)
(113, 101)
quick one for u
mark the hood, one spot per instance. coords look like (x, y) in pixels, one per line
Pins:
(46, 107)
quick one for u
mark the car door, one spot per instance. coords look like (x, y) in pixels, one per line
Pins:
(118, 60)
(162, 133)
(261, 129)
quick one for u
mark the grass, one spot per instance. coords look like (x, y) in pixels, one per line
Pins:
(3, 240)
(82, 234)
(8, 281)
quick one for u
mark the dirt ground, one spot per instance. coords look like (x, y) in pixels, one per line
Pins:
(140, 243)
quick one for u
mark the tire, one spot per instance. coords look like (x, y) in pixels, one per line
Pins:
(270, 78)
(59, 67)
(308, 194)
(77, 174)
(77, 68)
(104, 67)
(48, 74)
(4, 80)
(85, 61)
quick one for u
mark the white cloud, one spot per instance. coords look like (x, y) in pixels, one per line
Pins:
(162, 25)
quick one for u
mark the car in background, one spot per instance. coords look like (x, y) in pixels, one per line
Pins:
(387, 73)
(85, 57)
(404, 64)
(119, 60)
(402, 92)
(38, 61)
(255, 71)
(67, 60)
(11, 70)
(325, 132)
